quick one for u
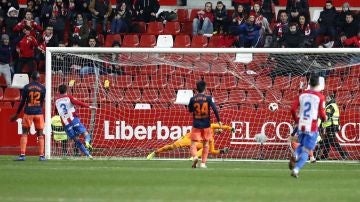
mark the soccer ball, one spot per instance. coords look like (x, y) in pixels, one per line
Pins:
(273, 106)
(260, 138)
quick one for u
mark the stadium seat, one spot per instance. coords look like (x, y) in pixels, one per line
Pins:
(167, 95)
(149, 70)
(343, 97)
(11, 94)
(255, 96)
(237, 97)
(155, 28)
(218, 68)
(88, 81)
(183, 15)
(214, 41)
(5, 105)
(150, 96)
(132, 95)
(290, 96)
(139, 27)
(172, 28)
(227, 82)
(111, 38)
(355, 71)
(131, 40)
(350, 83)
(101, 39)
(298, 83)
(193, 14)
(1, 93)
(123, 81)
(116, 95)
(201, 67)
(184, 71)
(165, 41)
(212, 81)
(182, 41)
(246, 82)
(158, 81)
(333, 83)
(20, 80)
(141, 81)
(2, 81)
(263, 82)
(147, 40)
(273, 95)
(199, 41)
(166, 69)
(186, 28)
(220, 96)
(176, 81)
(281, 83)
(82, 94)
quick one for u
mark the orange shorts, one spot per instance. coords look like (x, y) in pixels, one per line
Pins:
(200, 134)
(37, 119)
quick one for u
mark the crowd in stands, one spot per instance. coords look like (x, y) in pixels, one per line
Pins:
(28, 31)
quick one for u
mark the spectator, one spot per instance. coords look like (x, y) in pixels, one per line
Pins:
(352, 41)
(350, 28)
(49, 39)
(221, 18)
(45, 13)
(90, 67)
(59, 16)
(25, 49)
(327, 21)
(341, 18)
(82, 6)
(268, 9)
(292, 39)
(5, 58)
(80, 32)
(261, 20)
(122, 19)
(203, 23)
(34, 9)
(5, 5)
(295, 8)
(249, 33)
(306, 30)
(11, 21)
(280, 28)
(101, 10)
(146, 10)
(28, 21)
(245, 3)
(239, 16)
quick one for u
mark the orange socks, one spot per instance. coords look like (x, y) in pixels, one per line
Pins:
(23, 142)
(205, 154)
(41, 145)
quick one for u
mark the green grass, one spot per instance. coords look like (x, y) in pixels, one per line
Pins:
(119, 180)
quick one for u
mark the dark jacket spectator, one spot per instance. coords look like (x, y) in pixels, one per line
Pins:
(307, 30)
(280, 28)
(100, 10)
(6, 4)
(45, 13)
(327, 21)
(80, 32)
(5, 58)
(294, 8)
(292, 39)
(146, 10)
(82, 6)
(59, 16)
(221, 18)
(11, 21)
(350, 28)
(34, 9)
(122, 19)
(245, 3)
(249, 33)
(341, 18)
(268, 9)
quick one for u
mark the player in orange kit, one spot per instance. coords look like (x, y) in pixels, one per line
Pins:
(185, 141)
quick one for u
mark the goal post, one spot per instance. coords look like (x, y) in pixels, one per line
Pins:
(135, 90)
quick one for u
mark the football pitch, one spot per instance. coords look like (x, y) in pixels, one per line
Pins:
(127, 180)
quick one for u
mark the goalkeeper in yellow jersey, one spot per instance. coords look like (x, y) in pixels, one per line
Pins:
(185, 141)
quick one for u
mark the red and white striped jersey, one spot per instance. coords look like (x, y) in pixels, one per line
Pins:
(311, 106)
(65, 106)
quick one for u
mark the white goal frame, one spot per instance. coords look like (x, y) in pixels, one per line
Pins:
(50, 50)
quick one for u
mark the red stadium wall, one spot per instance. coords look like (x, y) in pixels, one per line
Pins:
(169, 128)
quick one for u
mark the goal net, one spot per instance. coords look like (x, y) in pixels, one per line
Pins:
(141, 95)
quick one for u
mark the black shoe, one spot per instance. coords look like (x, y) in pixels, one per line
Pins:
(292, 162)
